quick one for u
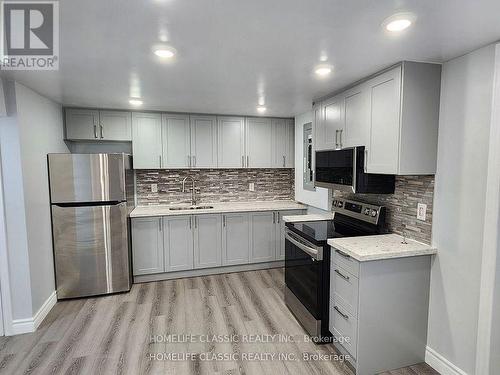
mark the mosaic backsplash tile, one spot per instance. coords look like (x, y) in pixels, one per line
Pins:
(402, 205)
(215, 185)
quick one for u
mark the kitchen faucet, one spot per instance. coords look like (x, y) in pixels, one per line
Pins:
(193, 191)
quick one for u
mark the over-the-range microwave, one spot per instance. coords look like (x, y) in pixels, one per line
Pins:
(338, 169)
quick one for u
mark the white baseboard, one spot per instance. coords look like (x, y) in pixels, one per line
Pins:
(20, 326)
(441, 364)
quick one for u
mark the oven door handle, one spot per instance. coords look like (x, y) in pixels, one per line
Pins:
(314, 253)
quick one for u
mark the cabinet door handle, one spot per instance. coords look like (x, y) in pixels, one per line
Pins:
(274, 218)
(346, 317)
(224, 220)
(341, 253)
(341, 132)
(189, 160)
(284, 162)
(242, 161)
(159, 158)
(195, 222)
(95, 130)
(248, 161)
(341, 275)
(278, 217)
(190, 222)
(102, 131)
(159, 223)
(337, 138)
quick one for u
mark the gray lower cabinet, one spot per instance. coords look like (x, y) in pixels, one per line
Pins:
(262, 236)
(146, 145)
(178, 242)
(235, 238)
(378, 310)
(207, 235)
(147, 246)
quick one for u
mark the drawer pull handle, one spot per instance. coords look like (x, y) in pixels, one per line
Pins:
(346, 317)
(343, 254)
(341, 275)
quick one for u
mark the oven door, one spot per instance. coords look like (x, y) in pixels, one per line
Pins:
(303, 276)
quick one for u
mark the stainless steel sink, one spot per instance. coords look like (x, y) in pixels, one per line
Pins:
(183, 208)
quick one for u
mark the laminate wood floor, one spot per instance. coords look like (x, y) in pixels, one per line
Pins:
(127, 333)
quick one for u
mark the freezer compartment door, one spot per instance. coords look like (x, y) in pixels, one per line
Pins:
(91, 250)
(87, 177)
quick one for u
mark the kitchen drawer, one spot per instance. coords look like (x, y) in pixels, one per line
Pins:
(344, 327)
(344, 288)
(345, 261)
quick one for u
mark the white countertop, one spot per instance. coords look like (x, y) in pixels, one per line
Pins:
(219, 207)
(308, 217)
(385, 246)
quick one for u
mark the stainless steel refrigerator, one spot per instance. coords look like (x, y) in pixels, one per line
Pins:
(91, 196)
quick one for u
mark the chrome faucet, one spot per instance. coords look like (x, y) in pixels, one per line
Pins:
(193, 191)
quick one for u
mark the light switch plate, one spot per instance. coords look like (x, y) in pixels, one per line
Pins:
(154, 188)
(251, 186)
(421, 211)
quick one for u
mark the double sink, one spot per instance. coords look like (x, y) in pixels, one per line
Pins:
(182, 208)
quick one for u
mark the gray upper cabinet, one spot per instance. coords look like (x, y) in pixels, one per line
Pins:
(203, 141)
(207, 241)
(283, 143)
(115, 125)
(178, 240)
(262, 236)
(176, 140)
(231, 142)
(91, 125)
(146, 144)
(259, 142)
(235, 239)
(81, 124)
(404, 117)
(356, 117)
(147, 246)
(394, 114)
(330, 124)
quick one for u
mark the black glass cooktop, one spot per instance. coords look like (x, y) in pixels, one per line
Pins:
(318, 232)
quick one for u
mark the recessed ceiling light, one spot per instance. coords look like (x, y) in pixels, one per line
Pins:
(323, 70)
(165, 52)
(261, 109)
(135, 101)
(399, 22)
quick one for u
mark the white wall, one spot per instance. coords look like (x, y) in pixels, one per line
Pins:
(40, 124)
(459, 206)
(321, 197)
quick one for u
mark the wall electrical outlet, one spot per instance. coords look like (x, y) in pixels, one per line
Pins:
(154, 188)
(251, 186)
(421, 211)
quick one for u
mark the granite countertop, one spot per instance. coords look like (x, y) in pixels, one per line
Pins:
(383, 246)
(308, 217)
(219, 207)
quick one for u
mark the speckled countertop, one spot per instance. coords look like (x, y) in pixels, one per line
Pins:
(219, 207)
(383, 246)
(308, 217)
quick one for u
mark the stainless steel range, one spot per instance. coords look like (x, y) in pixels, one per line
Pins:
(307, 260)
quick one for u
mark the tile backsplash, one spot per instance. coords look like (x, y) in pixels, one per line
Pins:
(214, 185)
(402, 205)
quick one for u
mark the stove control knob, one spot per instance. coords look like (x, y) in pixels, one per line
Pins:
(367, 211)
(374, 213)
(340, 204)
(334, 203)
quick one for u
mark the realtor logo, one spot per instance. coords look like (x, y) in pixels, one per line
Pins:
(29, 35)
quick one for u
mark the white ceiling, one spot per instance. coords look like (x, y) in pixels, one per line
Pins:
(232, 52)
